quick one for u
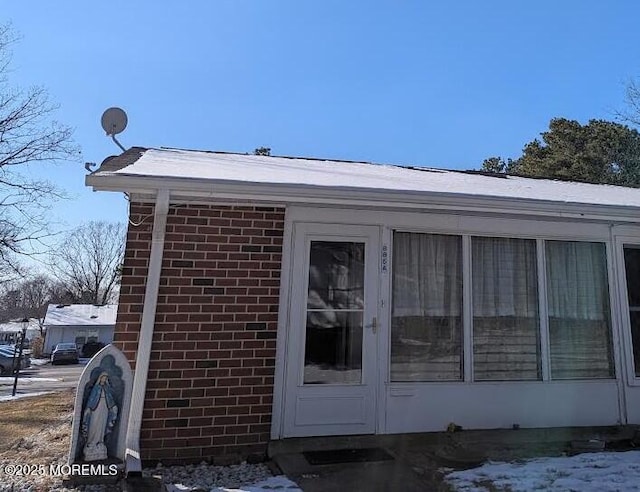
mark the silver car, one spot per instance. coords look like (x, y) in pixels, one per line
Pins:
(7, 359)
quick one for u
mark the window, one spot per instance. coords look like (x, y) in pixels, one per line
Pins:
(426, 321)
(578, 306)
(632, 269)
(504, 331)
(506, 328)
(335, 306)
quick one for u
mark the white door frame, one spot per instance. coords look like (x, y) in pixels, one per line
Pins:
(330, 409)
(623, 309)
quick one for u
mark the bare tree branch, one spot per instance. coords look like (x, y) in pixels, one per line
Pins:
(88, 261)
(631, 114)
(27, 298)
(28, 135)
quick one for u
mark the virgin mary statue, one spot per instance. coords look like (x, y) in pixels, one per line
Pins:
(98, 419)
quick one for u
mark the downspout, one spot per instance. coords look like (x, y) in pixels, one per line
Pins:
(133, 464)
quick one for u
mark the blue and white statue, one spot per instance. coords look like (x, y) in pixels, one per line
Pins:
(99, 418)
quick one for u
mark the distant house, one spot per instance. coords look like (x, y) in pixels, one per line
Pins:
(267, 297)
(10, 331)
(79, 323)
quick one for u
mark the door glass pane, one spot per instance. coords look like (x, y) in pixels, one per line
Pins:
(333, 348)
(578, 302)
(336, 275)
(335, 308)
(506, 333)
(426, 319)
(632, 267)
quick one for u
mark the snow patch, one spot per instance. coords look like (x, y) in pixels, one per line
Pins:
(589, 472)
(22, 395)
(279, 482)
(9, 380)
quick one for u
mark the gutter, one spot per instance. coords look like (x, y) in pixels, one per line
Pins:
(133, 463)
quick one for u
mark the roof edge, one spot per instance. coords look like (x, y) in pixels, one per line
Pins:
(116, 162)
(298, 194)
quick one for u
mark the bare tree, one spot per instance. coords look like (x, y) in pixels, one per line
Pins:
(88, 261)
(631, 114)
(28, 135)
(27, 298)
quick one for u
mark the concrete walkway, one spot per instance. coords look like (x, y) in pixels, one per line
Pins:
(420, 459)
(370, 476)
(417, 474)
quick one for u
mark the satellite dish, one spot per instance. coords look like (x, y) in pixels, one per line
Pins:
(114, 121)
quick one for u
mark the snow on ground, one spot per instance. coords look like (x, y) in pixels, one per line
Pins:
(39, 362)
(10, 379)
(279, 482)
(589, 472)
(22, 395)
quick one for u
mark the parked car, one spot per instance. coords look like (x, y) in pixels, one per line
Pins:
(7, 359)
(90, 349)
(65, 352)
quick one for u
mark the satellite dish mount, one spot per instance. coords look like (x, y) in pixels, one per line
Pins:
(114, 121)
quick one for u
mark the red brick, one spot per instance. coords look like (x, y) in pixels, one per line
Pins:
(204, 324)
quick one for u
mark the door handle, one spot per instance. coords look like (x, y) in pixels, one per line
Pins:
(374, 325)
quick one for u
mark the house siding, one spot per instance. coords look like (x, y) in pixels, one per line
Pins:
(210, 383)
(58, 334)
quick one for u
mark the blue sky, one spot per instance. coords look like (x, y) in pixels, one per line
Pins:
(442, 84)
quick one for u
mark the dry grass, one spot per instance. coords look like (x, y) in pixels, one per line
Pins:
(28, 423)
(35, 431)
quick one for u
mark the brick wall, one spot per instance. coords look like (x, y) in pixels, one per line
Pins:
(210, 386)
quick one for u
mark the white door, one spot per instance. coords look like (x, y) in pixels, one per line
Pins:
(331, 354)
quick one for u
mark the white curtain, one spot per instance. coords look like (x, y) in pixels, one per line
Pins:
(578, 300)
(427, 309)
(577, 280)
(427, 275)
(506, 329)
(426, 324)
(505, 281)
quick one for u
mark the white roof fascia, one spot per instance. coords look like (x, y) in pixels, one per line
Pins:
(79, 326)
(349, 196)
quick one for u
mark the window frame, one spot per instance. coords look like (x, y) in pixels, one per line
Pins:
(543, 313)
(539, 361)
(624, 343)
(391, 242)
(608, 265)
